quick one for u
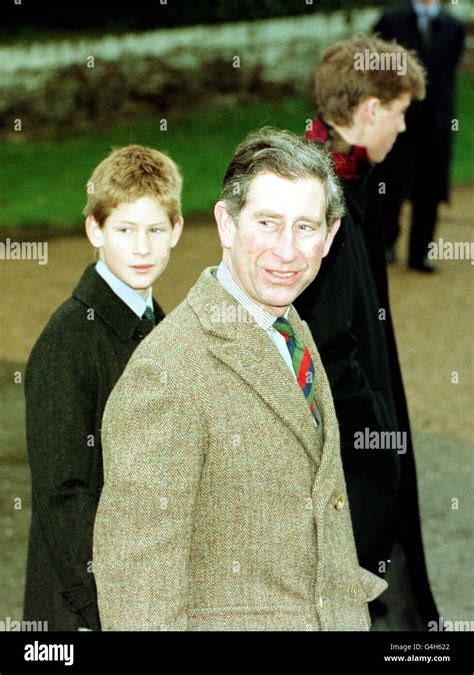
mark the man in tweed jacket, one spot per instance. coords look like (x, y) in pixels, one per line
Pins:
(224, 504)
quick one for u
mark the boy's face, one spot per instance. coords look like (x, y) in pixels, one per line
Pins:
(383, 127)
(135, 241)
(275, 248)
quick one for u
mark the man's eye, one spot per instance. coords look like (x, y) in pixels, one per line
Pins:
(268, 223)
(306, 227)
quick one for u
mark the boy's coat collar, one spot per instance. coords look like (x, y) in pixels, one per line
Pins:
(96, 294)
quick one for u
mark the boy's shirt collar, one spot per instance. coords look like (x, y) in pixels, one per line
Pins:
(130, 297)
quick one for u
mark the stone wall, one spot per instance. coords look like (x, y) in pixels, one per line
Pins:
(83, 83)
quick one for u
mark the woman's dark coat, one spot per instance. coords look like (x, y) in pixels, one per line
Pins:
(430, 130)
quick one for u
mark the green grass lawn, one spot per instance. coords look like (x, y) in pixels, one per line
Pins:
(42, 183)
(463, 165)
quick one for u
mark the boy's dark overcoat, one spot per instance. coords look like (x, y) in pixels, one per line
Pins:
(347, 309)
(71, 371)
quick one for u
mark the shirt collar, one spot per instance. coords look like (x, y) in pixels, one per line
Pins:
(263, 318)
(130, 297)
(426, 10)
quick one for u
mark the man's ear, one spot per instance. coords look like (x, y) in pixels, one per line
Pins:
(225, 224)
(177, 232)
(330, 236)
(94, 232)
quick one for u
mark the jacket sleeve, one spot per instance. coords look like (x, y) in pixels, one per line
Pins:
(60, 417)
(328, 306)
(153, 448)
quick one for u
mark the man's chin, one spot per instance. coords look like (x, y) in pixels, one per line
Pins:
(278, 303)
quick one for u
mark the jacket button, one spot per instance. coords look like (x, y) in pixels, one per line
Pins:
(353, 590)
(340, 503)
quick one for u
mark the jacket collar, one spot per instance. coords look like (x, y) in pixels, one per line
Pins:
(94, 292)
(351, 162)
(245, 347)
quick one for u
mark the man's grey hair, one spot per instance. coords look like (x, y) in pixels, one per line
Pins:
(284, 154)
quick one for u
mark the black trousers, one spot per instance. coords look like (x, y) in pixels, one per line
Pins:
(423, 196)
(413, 171)
(424, 217)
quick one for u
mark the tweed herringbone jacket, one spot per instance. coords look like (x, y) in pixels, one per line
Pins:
(221, 508)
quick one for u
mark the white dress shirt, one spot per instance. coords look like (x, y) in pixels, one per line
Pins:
(424, 13)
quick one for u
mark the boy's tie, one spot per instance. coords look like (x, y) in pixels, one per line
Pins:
(149, 315)
(302, 362)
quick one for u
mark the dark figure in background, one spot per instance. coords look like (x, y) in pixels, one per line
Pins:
(418, 166)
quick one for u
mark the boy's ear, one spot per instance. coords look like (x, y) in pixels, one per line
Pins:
(370, 109)
(330, 236)
(177, 232)
(225, 224)
(94, 232)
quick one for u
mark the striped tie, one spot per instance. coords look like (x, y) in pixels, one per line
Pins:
(301, 358)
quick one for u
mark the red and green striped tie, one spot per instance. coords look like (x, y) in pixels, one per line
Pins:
(301, 358)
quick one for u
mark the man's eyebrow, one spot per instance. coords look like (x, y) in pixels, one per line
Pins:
(273, 214)
(266, 214)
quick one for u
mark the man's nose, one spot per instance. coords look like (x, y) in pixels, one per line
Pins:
(285, 246)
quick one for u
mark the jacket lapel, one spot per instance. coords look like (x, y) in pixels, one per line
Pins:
(94, 292)
(249, 352)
